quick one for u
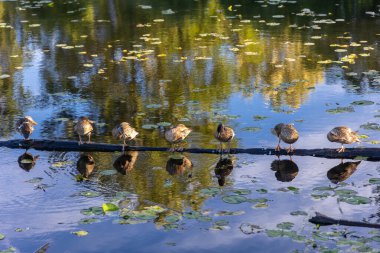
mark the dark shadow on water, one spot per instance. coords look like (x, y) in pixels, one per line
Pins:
(27, 161)
(179, 165)
(342, 171)
(126, 162)
(85, 165)
(286, 170)
(223, 169)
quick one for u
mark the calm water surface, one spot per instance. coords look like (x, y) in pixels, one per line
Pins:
(249, 64)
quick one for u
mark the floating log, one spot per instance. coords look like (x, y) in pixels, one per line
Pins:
(369, 154)
(323, 220)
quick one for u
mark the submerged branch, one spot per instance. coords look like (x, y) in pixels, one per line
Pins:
(369, 154)
(323, 220)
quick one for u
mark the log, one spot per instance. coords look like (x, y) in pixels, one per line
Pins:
(369, 154)
(323, 220)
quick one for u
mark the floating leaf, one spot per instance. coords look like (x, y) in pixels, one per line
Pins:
(355, 200)
(259, 117)
(345, 192)
(371, 126)
(34, 180)
(149, 126)
(2, 237)
(363, 102)
(374, 180)
(320, 196)
(242, 191)
(192, 215)
(80, 233)
(212, 191)
(297, 213)
(323, 188)
(251, 129)
(109, 207)
(262, 191)
(258, 200)
(153, 106)
(341, 110)
(225, 213)
(285, 225)
(274, 233)
(172, 218)
(293, 189)
(260, 205)
(164, 124)
(95, 210)
(234, 199)
(88, 221)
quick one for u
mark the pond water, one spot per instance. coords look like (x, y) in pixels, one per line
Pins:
(248, 64)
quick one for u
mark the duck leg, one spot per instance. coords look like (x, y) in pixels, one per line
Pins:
(278, 148)
(123, 145)
(80, 140)
(89, 138)
(341, 149)
(290, 149)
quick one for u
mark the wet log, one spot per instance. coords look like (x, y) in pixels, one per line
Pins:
(369, 154)
(323, 220)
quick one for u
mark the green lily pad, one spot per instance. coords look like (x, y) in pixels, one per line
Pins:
(109, 207)
(95, 210)
(374, 180)
(345, 192)
(19, 230)
(227, 213)
(323, 188)
(88, 221)
(341, 110)
(262, 191)
(234, 199)
(285, 225)
(172, 218)
(149, 126)
(10, 249)
(142, 215)
(204, 218)
(107, 172)
(170, 226)
(371, 126)
(155, 209)
(212, 191)
(248, 228)
(192, 215)
(2, 237)
(164, 124)
(355, 200)
(80, 233)
(153, 106)
(132, 222)
(89, 194)
(297, 213)
(258, 200)
(363, 102)
(222, 223)
(259, 117)
(260, 205)
(251, 129)
(320, 196)
(274, 233)
(293, 189)
(242, 191)
(375, 238)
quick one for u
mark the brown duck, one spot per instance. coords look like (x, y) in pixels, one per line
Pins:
(176, 134)
(25, 126)
(342, 135)
(125, 132)
(224, 134)
(84, 128)
(85, 165)
(286, 133)
(342, 171)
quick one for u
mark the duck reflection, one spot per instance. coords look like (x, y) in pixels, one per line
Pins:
(342, 171)
(85, 165)
(126, 162)
(223, 169)
(286, 170)
(178, 164)
(27, 161)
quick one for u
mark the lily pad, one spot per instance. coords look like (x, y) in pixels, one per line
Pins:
(90, 194)
(371, 126)
(260, 205)
(109, 207)
(262, 191)
(211, 191)
(285, 225)
(258, 200)
(341, 110)
(251, 129)
(192, 215)
(345, 192)
(274, 233)
(297, 213)
(164, 124)
(34, 180)
(153, 106)
(234, 199)
(363, 102)
(374, 180)
(225, 213)
(172, 218)
(95, 210)
(355, 200)
(2, 237)
(149, 126)
(242, 191)
(80, 233)
(323, 188)
(88, 221)
(259, 117)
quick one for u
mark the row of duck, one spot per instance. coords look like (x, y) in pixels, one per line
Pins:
(285, 170)
(176, 134)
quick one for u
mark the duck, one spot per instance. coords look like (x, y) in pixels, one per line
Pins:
(25, 126)
(224, 134)
(85, 165)
(286, 170)
(126, 162)
(342, 135)
(178, 165)
(223, 169)
(177, 134)
(124, 131)
(286, 133)
(84, 128)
